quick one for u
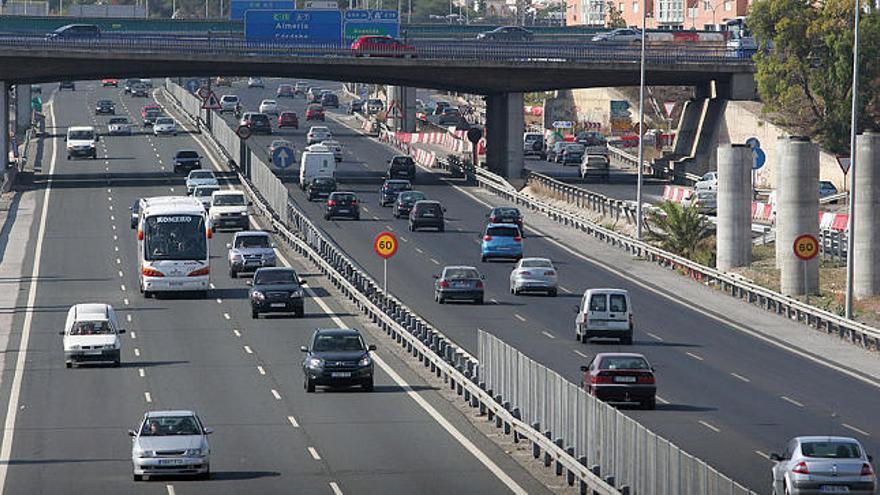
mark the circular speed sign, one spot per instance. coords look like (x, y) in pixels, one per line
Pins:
(806, 247)
(243, 132)
(385, 244)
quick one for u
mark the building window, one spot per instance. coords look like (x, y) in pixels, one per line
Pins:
(707, 5)
(620, 7)
(728, 6)
(635, 7)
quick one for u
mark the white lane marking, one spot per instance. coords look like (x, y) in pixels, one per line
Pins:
(740, 377)
(402, 238)
(293, 421)
(170, 489)
(366, 209)
(519, 317)
(114, 228)
(112, 218)
(388, 228)
(857, 430)
(314, 454)
(226, 315)
(661, 399)
(122, 287)
(261, 370)
(115, 238)
(435, 261)
(707, 425)
(15, 390)
(171, 189)
(791, 401)
(655, 337)
(276, 394)
(335, 488)
(419, 250)
(219, 301)
(248, 350)
(133, 335)
(121, 274)
(137, 352)
(141, 372)
(148, 397)
(125, 300)
(116, 248)
(211, 285)
(128, 318)
(236, 332)
(762, 454)
(563, 289)
(111, 207)
(375, 217)
(547, 334)
(691, 354)
(581, 354)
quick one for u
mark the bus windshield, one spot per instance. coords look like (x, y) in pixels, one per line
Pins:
(175, 237)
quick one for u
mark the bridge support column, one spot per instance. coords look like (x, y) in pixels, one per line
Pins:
(504, 131)
(4, 128)
(797, 213)
(734, 240)
(402, 108)
(22, 107)
(866, 255)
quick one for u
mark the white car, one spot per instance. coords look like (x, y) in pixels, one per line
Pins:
(170, 443)
(200, 177)
(256, 82)
(335, 147)
(119, 126)
(82, 141)
(269, 107)
(708, 182)
(203, 194)
(164, 126)
(228, 103)
(91, 334)
(229, 209)
(620, 34)
(318, 133)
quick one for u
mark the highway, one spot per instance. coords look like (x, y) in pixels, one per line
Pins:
(68, 433)
(725, 396)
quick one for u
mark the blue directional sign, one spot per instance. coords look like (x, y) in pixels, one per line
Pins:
(753, 142)
(371, 22)
(193, 85)
(283, 157)
(758, 158)
(237, 8)
(309, 27)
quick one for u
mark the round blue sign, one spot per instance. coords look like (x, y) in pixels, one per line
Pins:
(753, 142)
(758, 158)
(283, 157)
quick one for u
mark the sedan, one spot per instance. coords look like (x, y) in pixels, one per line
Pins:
(389, 190)
(342, 204)
(200, 177)
(285, 91)
(459, 282)
(105, 107)
(320, 187)
(533, 274)
(315, 112)
(506, 214)
(255, 82)
(827, 188)
(620, 34)
(507, 33)
(288, 119)
(317, 134)
(276, 290)
(170, 443)
(404, 203)
(269, 107)
(164, 126)
(381, 46)
(337, 357)
(186, 160)
(119, 126)
(823, 464)
(110, 82)
(621, 377)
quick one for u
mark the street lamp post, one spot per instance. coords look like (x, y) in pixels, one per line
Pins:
(641, 126)
(854, 118)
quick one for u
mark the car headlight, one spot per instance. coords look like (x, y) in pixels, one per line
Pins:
(243, 213)
(365, 361)
(236, 257)
(296, 293)
(315, 362)
(259, 295)
(110, 346)
(145, 453)
(74, 347)
(194, 453)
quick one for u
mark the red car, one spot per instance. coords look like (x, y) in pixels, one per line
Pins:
(149, 108)
(288, 119)
(110, 82)
(621, 377)
(315, 112)
(285, 90)
(382, 46)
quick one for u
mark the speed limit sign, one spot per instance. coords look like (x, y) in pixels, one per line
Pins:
(385, 244)
(806, 247)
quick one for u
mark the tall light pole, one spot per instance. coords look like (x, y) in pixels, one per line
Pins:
(854, 116)
(641, 125)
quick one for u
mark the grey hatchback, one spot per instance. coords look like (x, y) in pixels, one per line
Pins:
(337, 357)
(823, 464)
(459, 282)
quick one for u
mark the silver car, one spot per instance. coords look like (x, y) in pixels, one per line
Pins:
(821, 465)
(248, 251)
(533, 274)
(200, 177)
(203, 194)
(170, 443)
(459, 282)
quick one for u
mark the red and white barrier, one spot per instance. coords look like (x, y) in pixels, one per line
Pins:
(762, 212)
(833, 221)
(676, 194)
(424, 157)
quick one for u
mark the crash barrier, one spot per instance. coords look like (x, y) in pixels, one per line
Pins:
(833, 221)
(429, 346)
(582, 198)
(621, 157)
(617, 448)
(676, 194)
(762, 213)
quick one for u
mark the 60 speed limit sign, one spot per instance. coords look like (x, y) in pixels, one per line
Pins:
(385, 244)
(806, 247)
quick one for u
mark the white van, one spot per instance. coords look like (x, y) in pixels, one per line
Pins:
(316, 164)
(91, 334)
(82, 141)
(604, 313)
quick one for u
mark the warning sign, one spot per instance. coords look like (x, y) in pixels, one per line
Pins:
(211, 102)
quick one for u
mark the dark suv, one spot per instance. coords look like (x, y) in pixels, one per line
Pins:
(342, 204)
(337, 357)
(329, 100)
(187, 160)
(320, 187)
(402, 167)
(105, 107)
(67, 85)
(405, 202)
(427, 214)
(75, 31)
(257, 122)
(276, 290)
(389, 190)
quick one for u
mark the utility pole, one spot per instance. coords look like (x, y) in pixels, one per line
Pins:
(854, 122)
(641, 126)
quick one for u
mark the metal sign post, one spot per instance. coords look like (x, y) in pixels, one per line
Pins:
(385, 245)
(806, 247)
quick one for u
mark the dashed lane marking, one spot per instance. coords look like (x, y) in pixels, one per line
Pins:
(276, 394)
(261, 370)
(740, 377)
(148, 397)
(857, 430)
(293, 421)
(691, 354)
(791, 401)
(711, 427)
(314, 454)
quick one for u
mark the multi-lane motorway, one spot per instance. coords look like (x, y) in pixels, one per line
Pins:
(66, 428)
(725, 396)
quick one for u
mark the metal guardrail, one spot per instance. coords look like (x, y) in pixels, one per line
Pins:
(662, 54)
(582, 198)
(856, 332)
(832, 244)
(619, 449)
(428, 345)
(628, 159)
(833, 198)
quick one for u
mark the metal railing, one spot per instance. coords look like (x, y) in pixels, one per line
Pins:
(582, 198)
(832, 244)
(428, 345)
(627, 159)
(616, 447)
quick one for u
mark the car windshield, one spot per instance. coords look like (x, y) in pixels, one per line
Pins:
(81, 135)
(175, 237)
(202, 192)
(104, 102)
(831, 450)
(205, 174)
(397, 186)
(91, 328)
(228, 200)
(187, 154)
(537, 264)
(337, 342)
(275, 277)
(170, 425)
(623, 363)
(507, 212)
(268, 102)
(503, 231)
(165, 121)
(411, 197)
(252, 241)
(460, 273)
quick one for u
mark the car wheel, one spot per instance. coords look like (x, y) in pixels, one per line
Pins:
(411, 229)
(357, 217)
(479, 300)
(310, 386)
(137, 477)
(68, 365)
(552, 293)
(441, 228)
(440, 299)
(68, 157)
(649, 404)
(628, 340)
(233, 274)
(482, 259)
(206, 475)
(147, 294)
(368, 385)
(117, 363)
(255, 314)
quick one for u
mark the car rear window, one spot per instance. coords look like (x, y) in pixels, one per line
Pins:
(260, 118)
(202, 192)
(205, 174)
(428, 208)
(402, 161)
(574, 148)
(831, 450)
(118, 120)
(252, 241)
(598, 302)
(411, 196)
(460, 273)
(503, 231)
(397, 186)
(344, 197)
(537, 264)
(507, 212)
(618, 303)
(623, 363)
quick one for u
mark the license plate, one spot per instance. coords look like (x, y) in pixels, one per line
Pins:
(459, 284)
(343, 211)
(625, 379)
(834, 489)
(175, 284)
(598, 323)
(170, 461)
(277, 305)
(341, 374)
(428, 215)
(92, 353)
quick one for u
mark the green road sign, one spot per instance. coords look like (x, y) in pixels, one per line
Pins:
(37, 103)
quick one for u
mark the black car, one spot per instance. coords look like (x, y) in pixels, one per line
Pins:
(75, 31)
(390, 188)
(276, 290)
(342, 204)
(402, 167)
(67, 85)
(320, 187)
(450, 116)
(105, 107)
(259, 123)
(329, 100)
(356, 106)
(506, 214)
(427, 214)
(139, 89)
(126, 86)
(337, 357)
(187, 160)
(507, 33)
(405, 202)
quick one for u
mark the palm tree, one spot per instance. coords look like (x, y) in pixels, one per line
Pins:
(679, 229)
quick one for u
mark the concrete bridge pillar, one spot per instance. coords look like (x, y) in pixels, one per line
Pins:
(4, 128)
(504, 130)
(797, 213)
(401, 108)
(866, 249)
(22, 107)
(734, 239)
